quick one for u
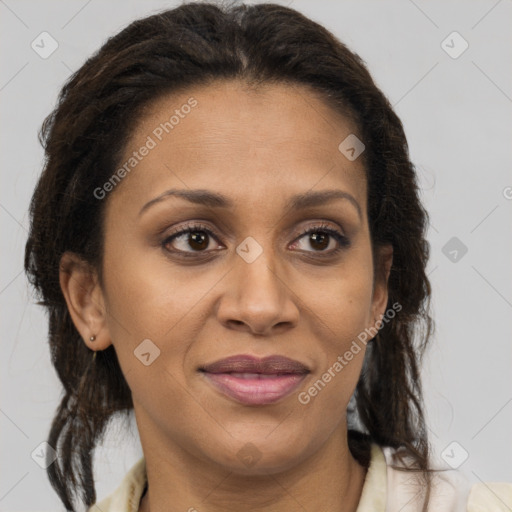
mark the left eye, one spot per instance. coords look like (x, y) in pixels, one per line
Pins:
(197, 237)
(321, 236)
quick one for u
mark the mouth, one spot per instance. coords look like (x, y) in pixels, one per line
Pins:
(253, 381)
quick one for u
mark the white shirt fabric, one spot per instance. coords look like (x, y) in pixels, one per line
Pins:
(385, 490)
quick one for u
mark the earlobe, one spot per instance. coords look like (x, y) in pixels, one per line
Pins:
(84, 299)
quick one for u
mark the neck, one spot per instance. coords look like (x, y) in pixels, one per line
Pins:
(330, 479)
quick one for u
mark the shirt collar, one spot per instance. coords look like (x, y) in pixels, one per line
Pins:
(374, 494)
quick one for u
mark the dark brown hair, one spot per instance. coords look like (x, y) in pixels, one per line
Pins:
(84, 137)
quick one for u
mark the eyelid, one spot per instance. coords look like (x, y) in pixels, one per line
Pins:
(321, 226)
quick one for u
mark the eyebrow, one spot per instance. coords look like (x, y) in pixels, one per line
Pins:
(216, 200)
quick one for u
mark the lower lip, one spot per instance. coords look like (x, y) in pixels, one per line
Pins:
(255, 391)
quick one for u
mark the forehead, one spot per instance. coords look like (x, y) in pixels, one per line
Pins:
(253, 142)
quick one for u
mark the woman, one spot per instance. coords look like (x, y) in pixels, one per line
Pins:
(229, 240)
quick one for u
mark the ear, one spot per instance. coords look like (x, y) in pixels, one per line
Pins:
(85, 301)
(380, 288)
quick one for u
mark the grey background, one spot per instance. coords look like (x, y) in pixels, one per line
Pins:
(456, 113)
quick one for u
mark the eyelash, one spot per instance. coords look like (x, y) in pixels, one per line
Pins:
(343, 241)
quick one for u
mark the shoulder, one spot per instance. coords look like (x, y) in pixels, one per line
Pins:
(451, 491)
(103, 506)
(126, 497)
(490, 496)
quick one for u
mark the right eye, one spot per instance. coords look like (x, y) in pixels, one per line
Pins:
(194, 236)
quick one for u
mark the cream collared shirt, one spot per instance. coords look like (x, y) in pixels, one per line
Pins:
(385, 490)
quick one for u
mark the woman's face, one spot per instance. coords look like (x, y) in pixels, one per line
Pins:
(246, 281)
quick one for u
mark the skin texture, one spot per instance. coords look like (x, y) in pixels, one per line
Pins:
(258, 148)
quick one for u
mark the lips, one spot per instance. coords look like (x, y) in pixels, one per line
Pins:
(270, 365)
(253, 381)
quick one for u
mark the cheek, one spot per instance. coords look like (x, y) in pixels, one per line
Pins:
(347, 315)
(343, 301)
(147, 295)
(147, 300)
(345, 307)
(342, 312)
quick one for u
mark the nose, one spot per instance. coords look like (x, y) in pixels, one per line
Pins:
(257, 299)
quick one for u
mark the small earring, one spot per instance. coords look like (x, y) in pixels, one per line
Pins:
(92, 338)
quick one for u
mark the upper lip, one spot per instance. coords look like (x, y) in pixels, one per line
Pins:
(250, 364)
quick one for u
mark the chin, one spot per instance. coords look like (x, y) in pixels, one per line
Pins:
(261, 455)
